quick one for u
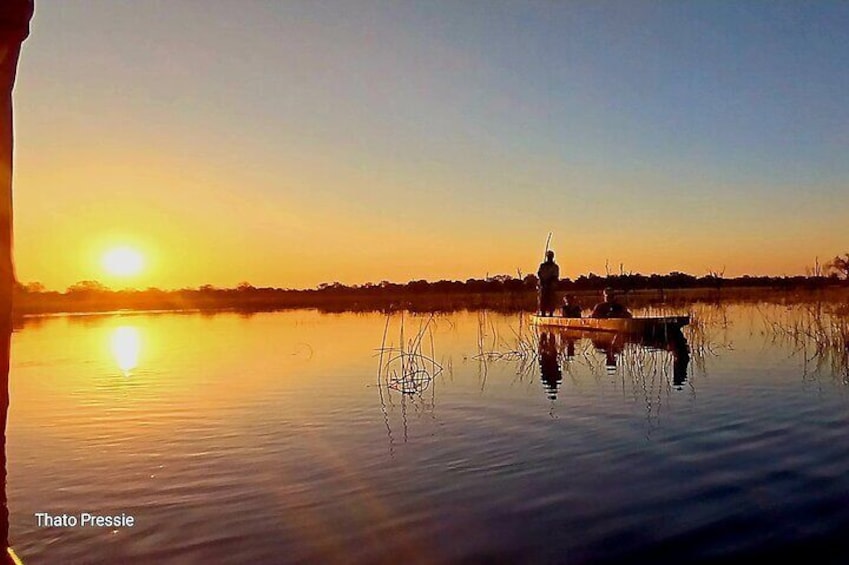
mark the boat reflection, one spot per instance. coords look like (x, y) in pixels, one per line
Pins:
(557, 347)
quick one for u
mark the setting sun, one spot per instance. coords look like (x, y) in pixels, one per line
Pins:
(123, 261)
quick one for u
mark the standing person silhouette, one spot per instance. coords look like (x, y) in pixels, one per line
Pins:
(548, 275)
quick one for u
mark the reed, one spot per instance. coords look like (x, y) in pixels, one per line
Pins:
(818, 331)
(408, 367)
(521, 345)
(651, 377)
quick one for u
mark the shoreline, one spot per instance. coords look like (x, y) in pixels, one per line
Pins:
(55, 304)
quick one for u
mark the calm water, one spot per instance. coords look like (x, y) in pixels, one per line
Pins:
(267, 439)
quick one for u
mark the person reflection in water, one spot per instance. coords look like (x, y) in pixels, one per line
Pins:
(549, 364)
(569, 346)
(612, 347)
(680, 350)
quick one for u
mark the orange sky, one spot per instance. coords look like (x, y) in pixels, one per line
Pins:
(289, 146)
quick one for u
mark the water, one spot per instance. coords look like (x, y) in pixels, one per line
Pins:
(267, 439)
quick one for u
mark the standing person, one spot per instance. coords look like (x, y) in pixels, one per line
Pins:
(14, 28)
(548, 275)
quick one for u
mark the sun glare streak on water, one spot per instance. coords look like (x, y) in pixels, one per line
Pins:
(126, 344)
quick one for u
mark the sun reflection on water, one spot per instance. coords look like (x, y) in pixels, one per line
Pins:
(126, 344)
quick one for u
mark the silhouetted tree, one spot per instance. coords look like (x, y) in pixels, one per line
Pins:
(34, 287)
(840, 265)
(87, 287)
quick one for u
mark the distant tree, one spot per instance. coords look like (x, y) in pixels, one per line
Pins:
(34, 287)
(335, 286)
(245, 286)
(840, 265)
(681, 280)
(715, 278)
(816, 270)
(87, 286)
(418, 286)
(511, 284)
(502, 279)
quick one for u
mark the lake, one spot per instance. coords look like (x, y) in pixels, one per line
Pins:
(305, 437)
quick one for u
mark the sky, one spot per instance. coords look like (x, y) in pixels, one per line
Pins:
(293, 143)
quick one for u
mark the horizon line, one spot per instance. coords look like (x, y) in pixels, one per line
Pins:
(96, 285)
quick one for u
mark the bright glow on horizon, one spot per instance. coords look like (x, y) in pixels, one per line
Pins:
(123, 262)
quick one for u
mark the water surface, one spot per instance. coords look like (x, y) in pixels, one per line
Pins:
(271, 438)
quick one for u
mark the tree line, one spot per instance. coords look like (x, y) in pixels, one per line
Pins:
(499, 291)
(497, 283)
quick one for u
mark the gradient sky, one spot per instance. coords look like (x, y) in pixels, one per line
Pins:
(293, 143)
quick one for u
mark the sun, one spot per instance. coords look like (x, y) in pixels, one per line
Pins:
(123, 262)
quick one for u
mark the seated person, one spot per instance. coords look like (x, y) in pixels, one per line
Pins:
(571, 308)
(610, 308)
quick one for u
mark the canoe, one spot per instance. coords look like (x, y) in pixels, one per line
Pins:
(654, 326)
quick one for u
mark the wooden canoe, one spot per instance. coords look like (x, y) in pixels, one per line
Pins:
(642, 326)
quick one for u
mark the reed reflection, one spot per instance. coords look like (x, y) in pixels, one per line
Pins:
(409, 369)
(816, 332)
(126, 345)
